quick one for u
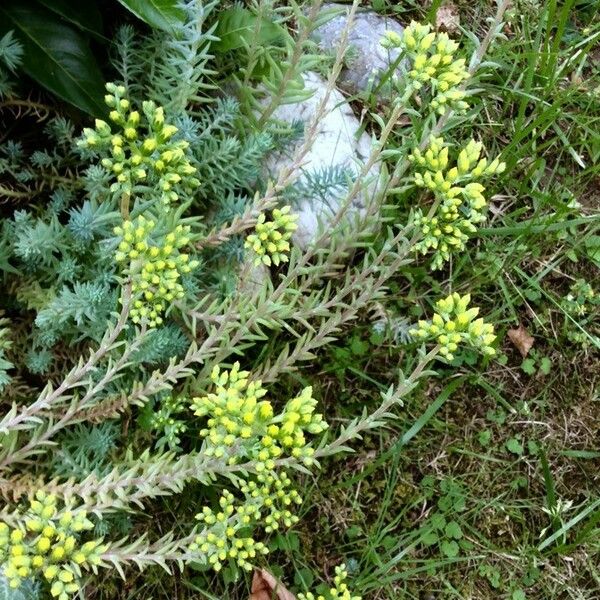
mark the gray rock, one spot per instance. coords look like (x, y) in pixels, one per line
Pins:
(338, 151)
(254, 276)
(366, 59)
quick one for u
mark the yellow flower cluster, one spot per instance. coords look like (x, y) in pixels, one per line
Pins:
(274, 493)
(339, 591)
(241, 425)
(460, 196)
(221, 539)
(266, 503)
(155, 268)
(453, 324)
(143, 151)
(433, 64)
(270, 240)
(46, 545)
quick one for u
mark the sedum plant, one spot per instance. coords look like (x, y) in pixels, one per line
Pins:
(435, 70)
(11, 53)
(458, 197)
(133, 293)
(270, 240)
(454, 324)
(340, 591)
(45, 543)
(237, 418)
(153, 267)
(141, 151)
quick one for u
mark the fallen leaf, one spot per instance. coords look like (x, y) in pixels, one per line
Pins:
(521, 339)
(266, 587)
(447, 18)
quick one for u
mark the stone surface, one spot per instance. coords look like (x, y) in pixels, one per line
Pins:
(254, 276)
(366, 58)
(336, 147)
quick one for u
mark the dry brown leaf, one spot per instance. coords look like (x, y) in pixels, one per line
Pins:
(521, 339)
(266, 587)
(447, 18)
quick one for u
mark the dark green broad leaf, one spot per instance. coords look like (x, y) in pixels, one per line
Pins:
(430, 538)
(84, 15)
(161, 14)
(453, 530)
(450, 548)
(55, 55)
(237, 27)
